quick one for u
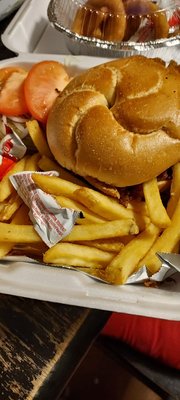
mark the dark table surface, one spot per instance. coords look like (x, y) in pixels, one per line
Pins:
(41, 343)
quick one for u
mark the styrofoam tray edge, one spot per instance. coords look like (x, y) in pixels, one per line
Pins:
(85, 292)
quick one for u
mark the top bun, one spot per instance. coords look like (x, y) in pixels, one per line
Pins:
(118, 122)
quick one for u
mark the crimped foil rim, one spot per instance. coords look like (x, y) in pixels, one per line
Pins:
(102, 44)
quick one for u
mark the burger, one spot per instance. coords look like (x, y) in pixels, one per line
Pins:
(117, 125)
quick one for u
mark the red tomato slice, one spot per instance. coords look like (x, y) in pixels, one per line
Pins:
(6, 72)
(41, 87)
(12, 99)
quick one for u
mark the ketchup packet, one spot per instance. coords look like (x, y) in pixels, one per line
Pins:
(146, 30)
(51, 222)
(11, 146)
(5, 165)
(11, 149)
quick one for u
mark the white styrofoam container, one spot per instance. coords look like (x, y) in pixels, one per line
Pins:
(8, 6)
(31, 32)
(71, 287)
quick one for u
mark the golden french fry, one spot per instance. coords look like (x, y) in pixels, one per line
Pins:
(89, 216)
(20, 217)
(125, 263)
(18, 233)
(141, 220)
(140, 211)
(55, 185)
(165, 243)
(46, 164)
(6, 187)
(38, 137)
(174, 191)
(101, 204)
(10, 207)
(32, 162)
(113, 245)
(101, 231)
(77, 255)
(156, 210)
(138, 207)
(5, 248)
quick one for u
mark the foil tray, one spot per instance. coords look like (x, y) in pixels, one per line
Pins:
(61, 20)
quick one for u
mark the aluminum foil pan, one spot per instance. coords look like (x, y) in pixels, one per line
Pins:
(61, 14)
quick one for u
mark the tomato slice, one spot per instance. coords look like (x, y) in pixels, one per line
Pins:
(41, 87)
(6, 72)
(12, 99)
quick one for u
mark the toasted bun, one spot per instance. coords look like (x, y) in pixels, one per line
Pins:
(118, 122)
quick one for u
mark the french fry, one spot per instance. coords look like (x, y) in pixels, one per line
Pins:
(101, 231)
(20, 217)
(139, 207)
(113, 245)
(10, 207)
(46, 164)
(89, 216)
(156, 210)
(18, 233)
(6, 187)
(101, 204)
(32, 162)
(174, 191)
(5, 248)
(77, 255)
(165, 243)
(38, 137)
(55, 185)
(125, 263)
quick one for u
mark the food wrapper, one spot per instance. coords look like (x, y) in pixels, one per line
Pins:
(165, 272)
(5, 165)
(51, 222)
(12, 147)
(146, 30)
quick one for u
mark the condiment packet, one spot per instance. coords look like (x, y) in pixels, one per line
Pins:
(13, 124)
(51, 222)
(146, 30)
(11, 146)
(11, 150)
(5, 165)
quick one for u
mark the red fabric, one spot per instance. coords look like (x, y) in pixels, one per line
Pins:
(157, 338)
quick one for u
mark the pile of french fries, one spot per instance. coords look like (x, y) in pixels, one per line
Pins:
(111, 241)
